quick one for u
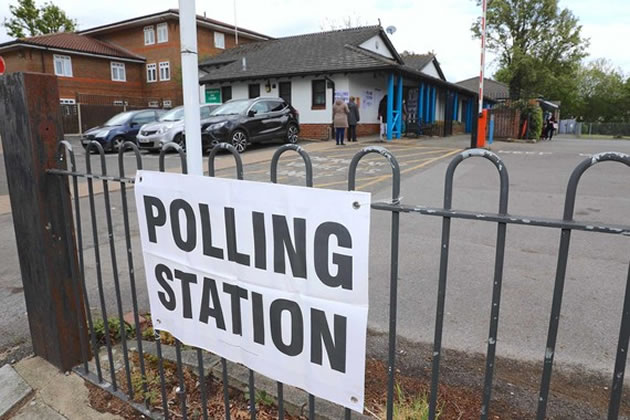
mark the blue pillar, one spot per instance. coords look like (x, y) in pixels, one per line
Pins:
(427, 103)
(390, 105)
(433, 103)
(420, 103)
(491, 130)
(455, 106)
(399, 106)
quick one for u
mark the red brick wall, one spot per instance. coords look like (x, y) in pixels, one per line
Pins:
(90, 75)
(324, 131)
(132, 38)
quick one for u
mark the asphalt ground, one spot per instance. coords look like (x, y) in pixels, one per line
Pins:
(597, 268)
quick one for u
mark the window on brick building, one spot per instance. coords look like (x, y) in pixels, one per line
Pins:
(151, 72)
(149, 35)
(165, 70)
(167, 103)
(162, 33)
(67, 101)
(63, 65)
(219, 40)
(318, 94)
(118, 72)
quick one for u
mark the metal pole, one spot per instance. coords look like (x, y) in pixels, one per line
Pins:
(483, 54)
(190, 82)
(235, 25)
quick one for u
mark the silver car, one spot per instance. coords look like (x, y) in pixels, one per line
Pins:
(170, 128)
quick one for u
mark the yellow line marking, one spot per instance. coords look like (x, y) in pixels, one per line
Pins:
(421, 165)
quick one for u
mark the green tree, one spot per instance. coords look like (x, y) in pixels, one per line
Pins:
(538, 44)
(604, 92)
(29, 20)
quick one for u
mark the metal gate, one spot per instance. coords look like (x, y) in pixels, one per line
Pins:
(502, 218)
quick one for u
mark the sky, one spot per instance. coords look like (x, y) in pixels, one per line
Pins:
(441, 26)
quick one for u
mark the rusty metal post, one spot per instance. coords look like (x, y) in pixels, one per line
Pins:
(42, 217)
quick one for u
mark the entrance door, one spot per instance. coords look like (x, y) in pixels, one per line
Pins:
(284, 89)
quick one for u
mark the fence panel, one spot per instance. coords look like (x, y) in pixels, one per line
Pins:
(506, 123)
(502, 219)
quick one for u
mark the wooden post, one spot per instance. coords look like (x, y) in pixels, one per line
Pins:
(40, 203)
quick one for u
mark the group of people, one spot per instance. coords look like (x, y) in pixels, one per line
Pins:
(345, 116)
(549, 128)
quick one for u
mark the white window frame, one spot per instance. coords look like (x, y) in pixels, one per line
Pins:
(167, 103)
(66, 65)
(162, 32)
(152, 69)
(67, 101)
(219, 40)
(149, 30)
(165, 65)
(119, 72)
(118, 103)
(153, 104)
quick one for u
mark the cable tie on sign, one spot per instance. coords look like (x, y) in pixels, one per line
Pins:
(394, 202)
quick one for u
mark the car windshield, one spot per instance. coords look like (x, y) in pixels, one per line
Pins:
(231, 108)
(174, 114)
(118, 119)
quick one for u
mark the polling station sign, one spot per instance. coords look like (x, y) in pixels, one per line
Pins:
(271, 276)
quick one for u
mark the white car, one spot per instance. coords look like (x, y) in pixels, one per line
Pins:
(169, 128)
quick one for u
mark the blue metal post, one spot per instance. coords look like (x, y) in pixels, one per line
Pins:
(420, 103)
(455, 106)
(433, 104)
(425, 108)
(491, 130)
(390, 105)
(399, 102)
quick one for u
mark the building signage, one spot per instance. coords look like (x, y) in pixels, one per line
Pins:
(213, 96)
(271, 276)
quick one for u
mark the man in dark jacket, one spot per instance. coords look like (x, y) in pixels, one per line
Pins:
(382, 116)
(353, 119)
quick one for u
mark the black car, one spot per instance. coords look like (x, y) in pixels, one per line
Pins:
(244, 121)
(120, 128)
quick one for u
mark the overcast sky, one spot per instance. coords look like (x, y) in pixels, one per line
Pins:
(442, 26)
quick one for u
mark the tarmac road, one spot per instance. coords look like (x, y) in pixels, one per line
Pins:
(596, 274)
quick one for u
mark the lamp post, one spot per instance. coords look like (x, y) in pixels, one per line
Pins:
(190, 84)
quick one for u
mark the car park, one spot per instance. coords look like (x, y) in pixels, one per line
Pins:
(120, 128)
(241, 122)
(170, 128)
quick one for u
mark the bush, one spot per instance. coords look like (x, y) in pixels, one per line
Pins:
(532, 113)
(114, 330)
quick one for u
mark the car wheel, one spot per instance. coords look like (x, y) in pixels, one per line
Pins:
(180, 140)
(292, 134)
(117, 143)
(239, 140)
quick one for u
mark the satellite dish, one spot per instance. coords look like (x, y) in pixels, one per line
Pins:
(390, 30)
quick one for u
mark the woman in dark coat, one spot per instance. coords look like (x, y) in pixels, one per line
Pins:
(353, 119)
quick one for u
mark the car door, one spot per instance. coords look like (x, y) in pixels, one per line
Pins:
(138, 120)
(276, 123)
(254, 121)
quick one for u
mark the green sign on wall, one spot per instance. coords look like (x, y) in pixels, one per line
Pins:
(213, 96)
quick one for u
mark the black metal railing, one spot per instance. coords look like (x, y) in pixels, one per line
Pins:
(502, 218)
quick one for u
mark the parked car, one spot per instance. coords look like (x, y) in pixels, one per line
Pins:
(120, 128)
(244, 121)
(170, 128)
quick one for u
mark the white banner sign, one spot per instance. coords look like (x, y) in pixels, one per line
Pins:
(271, 276)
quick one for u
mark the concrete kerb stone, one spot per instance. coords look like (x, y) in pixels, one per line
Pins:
(14, 391)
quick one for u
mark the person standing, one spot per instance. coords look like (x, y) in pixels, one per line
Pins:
(551, 127)
(353, 119)
(340, 120)
(382, 116)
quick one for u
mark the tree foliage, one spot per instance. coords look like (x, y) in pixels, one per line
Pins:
(30, 20)
(604, 93)
(537, 43)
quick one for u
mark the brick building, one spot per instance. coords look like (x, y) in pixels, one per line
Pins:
(136, 59)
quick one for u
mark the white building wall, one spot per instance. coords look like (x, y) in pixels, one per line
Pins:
(369, 89)
(376, 45)
(431, 70)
